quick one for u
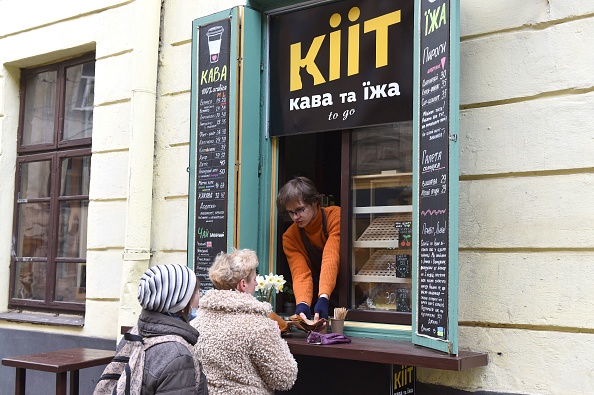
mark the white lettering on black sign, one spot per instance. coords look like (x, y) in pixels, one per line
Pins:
(213, 136)
(341, 65)
(432, 314)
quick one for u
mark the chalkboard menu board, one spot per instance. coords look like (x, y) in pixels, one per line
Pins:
(212, 145)
(432, 298)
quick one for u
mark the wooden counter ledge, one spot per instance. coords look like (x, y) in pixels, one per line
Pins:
(390, 352)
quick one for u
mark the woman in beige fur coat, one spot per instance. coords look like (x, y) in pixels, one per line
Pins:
(240, 348)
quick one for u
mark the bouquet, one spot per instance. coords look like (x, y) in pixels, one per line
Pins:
(269, 285)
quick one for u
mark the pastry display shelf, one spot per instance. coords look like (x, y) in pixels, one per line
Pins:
(376, 244)
(382, 209)
(381, 268)
(357, 278)
(382, 228)
(382, 221)
(389, 178)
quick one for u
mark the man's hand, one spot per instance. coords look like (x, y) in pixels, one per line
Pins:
(321, 308)
(303, 308)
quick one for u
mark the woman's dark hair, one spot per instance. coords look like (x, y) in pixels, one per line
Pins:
(299, 189)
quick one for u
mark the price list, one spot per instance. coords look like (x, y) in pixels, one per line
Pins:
(212, 144)
(432, 313)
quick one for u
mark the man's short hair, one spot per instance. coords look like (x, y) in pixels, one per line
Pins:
(299, 189)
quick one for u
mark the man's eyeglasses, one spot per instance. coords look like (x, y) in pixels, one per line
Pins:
(297, 212)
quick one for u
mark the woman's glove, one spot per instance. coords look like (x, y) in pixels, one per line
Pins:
(303, 308)
(322, 307)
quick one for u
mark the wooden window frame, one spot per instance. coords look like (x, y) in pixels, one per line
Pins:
(58, 143)
(55, 152)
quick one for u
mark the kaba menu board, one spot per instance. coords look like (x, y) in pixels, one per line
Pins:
(432, 289)
(212, 146)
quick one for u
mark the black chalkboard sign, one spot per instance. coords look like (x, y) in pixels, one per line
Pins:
(403, 300)
(432, 298)
(212, 156)
(403, 266)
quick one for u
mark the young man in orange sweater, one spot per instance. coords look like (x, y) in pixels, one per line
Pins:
(312, 245)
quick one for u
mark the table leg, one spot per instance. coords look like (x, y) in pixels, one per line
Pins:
(74, 382)
(19, 385)
(61, 383)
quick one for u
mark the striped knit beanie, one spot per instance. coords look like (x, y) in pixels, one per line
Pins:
(166, 288)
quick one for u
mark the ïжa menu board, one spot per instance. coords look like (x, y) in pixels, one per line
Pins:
(436, 285)
(212, 145)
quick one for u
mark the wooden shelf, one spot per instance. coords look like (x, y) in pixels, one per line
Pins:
(383, 229)
(386, 180)
(381, 279)
(382, 209)
(381, 268)
(376, 244)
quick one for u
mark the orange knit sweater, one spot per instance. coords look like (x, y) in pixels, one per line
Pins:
(298, 259)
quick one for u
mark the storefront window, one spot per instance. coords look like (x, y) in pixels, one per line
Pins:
(381, 226)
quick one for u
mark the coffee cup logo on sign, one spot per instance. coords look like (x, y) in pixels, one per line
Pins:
(215, 36)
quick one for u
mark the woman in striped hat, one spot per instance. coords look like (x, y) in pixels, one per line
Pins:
(167, 294)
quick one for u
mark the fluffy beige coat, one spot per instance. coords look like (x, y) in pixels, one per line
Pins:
(239, 346)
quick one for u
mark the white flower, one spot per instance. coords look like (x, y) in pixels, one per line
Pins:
(280, 280)
(268, 285)
(270, 280)
(261, 283)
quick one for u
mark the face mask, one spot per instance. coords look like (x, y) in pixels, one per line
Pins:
(192, 314)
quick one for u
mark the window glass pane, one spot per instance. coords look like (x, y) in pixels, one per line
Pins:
(29, 280)
(75, 175)
(78, 106)
(53, 185)
(381, 231)
(40, 109)
(33, 229)
(71, 281)
(35, 180)
(72, 231)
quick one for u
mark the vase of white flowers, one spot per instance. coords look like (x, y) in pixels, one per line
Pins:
(269, 285)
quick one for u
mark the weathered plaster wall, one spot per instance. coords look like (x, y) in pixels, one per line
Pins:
(53, 32)
(527, 174)
(61, 29)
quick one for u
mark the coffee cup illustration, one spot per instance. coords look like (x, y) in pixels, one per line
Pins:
(215, 35)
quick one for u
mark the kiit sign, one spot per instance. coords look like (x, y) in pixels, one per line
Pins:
(378, 25)
(342, 65)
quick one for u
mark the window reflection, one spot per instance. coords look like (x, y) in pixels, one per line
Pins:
(74, 176)
(71, 282)
(72, 232)
(33, 229)
(35, 180)
(40, 108)
(29, 281)
(80, 95)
